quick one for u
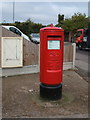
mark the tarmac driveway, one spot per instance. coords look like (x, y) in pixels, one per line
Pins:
(21, 97)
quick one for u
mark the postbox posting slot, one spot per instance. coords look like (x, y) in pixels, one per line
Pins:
(53, 36)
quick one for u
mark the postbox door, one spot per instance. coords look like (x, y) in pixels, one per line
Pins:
(53, 60)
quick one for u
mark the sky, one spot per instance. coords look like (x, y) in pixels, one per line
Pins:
(40, 12)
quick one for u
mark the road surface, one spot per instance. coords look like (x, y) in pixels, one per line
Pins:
(82, 63)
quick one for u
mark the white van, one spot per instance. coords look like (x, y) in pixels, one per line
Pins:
(17, 31)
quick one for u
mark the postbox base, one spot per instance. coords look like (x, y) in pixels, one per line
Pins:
(51, 92)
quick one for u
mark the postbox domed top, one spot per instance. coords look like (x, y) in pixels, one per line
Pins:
(51, 27)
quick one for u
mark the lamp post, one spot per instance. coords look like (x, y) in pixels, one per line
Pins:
(13, 10)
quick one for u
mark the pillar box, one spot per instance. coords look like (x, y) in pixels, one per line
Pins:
(51, 62)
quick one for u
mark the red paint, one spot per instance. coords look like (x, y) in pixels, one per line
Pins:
(51, 60)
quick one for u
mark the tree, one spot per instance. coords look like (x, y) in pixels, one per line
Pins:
(77, 21)
(60, 19)
(28, 27)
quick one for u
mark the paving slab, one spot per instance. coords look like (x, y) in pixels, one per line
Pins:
(21, 98)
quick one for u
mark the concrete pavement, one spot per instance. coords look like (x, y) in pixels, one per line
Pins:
(21, 97)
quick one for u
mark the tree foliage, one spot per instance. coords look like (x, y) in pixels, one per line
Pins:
(60, 20)
(27, 27)
(77, 21)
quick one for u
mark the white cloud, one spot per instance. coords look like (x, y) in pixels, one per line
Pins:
(0, 11)
(46, 0)
(66, 10)
(44, 13)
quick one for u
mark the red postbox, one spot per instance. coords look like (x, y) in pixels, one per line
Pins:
(51, 62)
